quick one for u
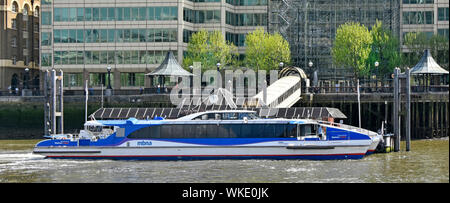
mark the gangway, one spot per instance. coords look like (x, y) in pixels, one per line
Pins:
(284, 92)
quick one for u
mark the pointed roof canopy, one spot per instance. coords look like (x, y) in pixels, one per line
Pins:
(427, 65)
(170, 67)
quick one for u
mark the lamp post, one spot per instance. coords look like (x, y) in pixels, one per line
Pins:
(26, 78)
(191, 80)
(109, 77)
(108, 91)
(376, 74)
(281, 65)
(314, 78)
(218, 75)
(310, 65)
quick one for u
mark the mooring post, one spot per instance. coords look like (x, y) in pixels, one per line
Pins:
(47, 126)
(408, 109)
(61, 102)
(53, 101)
(396, 109)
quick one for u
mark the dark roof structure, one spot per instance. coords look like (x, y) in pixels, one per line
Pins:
(170, 67)
(427, 65)
(173, 113)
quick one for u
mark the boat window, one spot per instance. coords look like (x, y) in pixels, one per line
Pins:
(227, 116)
(172, 131)
(242, 115)
(230, 116)
(250, 116)
(308, 129)
(94, 128)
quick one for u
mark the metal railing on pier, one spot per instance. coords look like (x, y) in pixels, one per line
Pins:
(365, 87)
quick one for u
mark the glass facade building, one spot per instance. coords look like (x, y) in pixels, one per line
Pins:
(84, 37)
(310, 27)
(428, 16)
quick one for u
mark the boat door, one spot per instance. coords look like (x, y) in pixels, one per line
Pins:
(307, 132)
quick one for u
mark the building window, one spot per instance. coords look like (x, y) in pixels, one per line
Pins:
(15, 7)
(418, 1)
(46, 2)
(25, 12)
(14, 24)
(132, 79)
(243, 2)
(46, 18)
(200, 16)
(99, 79)
(14, 42)
(14, 60)
(418, 17)
(443, 32)
(443, 14)
(236, 39)
(46, 59)
(36, 27)
(111, 35)
(36, 12)
(246, 19)
(73, 80)
(25, 60)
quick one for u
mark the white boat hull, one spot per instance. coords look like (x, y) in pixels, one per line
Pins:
(286, 150)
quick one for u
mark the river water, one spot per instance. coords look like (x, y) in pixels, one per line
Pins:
(427, 162)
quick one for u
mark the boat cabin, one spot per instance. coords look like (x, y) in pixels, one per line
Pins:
(97, 129)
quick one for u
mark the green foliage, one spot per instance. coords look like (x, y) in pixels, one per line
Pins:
(209, 48)
(385, 51)
(265, 51)
(352, 47)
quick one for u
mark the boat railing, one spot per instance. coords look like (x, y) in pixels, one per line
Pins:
(349, 127)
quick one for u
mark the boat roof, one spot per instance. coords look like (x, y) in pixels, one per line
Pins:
(174, 113)
(133, 121)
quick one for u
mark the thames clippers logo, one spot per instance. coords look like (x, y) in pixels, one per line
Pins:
(144, 143)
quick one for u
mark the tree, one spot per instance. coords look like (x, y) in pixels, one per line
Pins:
(385, 50)
(209, 48)
(352, 48)
(265, 51)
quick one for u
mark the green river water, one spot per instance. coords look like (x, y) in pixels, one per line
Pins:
(428, 161)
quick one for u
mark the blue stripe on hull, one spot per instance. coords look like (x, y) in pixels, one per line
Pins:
(193, 158)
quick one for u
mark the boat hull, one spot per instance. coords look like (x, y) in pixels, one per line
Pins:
(309, 152)
(375, 141)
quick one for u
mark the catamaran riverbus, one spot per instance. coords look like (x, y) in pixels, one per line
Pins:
(227, 134)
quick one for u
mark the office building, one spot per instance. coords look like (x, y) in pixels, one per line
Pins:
(83, 37)
(310, 26)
